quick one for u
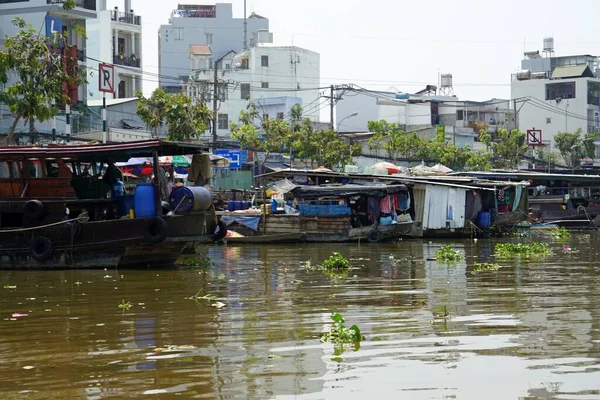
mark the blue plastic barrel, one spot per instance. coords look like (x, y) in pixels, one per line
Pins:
(184, 200)
(484, 219)
(143, 201)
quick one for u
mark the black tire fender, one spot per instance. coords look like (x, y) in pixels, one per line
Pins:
(156, 230)
(220, 235)
(41, 248)
(34, 210)
(374, 236)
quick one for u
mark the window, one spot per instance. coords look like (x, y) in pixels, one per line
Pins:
(264, 61)
(209, 37)
(178, 33)
(223, 121)
(245, 88)
(265, 116)
(4, 170)
(548, 120)
(280, 116)
(264, 85)
(227, 66)
(563, 91)
(460, 115)
(594, 93)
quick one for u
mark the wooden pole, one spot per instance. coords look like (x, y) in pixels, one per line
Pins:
(156, 183)
(264, 210)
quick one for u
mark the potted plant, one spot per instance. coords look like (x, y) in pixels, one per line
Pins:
(133, 57)
(121, 55)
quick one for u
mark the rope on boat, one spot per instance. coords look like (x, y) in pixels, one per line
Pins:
(81, 218)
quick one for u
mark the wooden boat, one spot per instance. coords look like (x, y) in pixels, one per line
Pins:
(320, 217)
(284, 238)
(50, 219)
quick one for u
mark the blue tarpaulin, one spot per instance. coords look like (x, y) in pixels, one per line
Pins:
(250, 222)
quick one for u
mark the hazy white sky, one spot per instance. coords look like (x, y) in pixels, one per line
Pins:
(401, 44)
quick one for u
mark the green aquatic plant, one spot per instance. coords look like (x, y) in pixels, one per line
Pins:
(125, 305)
(562, 233)
(447, 253)
(484, 267)
(535, 249)
(339, 335)
(204, 262)
(336, 262)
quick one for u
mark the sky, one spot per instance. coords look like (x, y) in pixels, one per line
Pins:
(403, 45)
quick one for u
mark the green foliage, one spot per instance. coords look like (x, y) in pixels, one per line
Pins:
(508, 148)
(341, 336)
(535, 249)
(447, 253)
(399, 144)
(573, 146)
(204, 262)
(562, 233)
(484, 267)
(570, 147)
(125, 305)
(258, 133)
(336, 262)
(184, 119)
(41, 68)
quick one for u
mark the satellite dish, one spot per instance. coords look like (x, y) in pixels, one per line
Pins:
(238, 64)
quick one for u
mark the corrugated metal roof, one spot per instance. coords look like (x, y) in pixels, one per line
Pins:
(575, 71)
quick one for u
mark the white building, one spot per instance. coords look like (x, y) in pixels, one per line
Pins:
(274, 77)
(557, 94)
(212, 25)
(115, 37)
(422, 112)
(48, 16)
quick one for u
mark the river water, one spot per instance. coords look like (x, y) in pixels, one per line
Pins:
(530, 330)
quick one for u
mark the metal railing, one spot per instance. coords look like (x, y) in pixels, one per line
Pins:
(87, 4)
(128, 61)
(126, 18)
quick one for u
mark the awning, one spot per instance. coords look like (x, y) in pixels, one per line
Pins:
(347, 190)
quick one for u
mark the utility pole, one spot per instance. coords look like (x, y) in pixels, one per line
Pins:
(331, 104)
(215, 98)
(245, 28)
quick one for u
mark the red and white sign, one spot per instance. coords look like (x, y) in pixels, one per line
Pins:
(534, 137)
(106, 78)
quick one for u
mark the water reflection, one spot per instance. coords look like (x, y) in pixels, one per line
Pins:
(434, 330)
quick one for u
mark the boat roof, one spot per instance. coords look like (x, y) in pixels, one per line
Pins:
(116, 151)
(348, 190)
(525, 175)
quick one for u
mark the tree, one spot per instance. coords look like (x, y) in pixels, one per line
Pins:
(184, 119)
(570, 146)
(508, 148)
(275, 131)
(42, 66)
(152, 110)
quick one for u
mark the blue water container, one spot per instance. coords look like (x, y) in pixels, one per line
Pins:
(484, 219)
(273, 205)
(144, 201)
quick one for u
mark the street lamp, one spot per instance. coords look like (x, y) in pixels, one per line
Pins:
(354, 114)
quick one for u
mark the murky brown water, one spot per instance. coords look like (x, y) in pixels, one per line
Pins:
(434, 331)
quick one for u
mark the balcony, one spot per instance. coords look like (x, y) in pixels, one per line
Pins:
(128, 61)
(75, 52)
(126, 18)
(87, 4)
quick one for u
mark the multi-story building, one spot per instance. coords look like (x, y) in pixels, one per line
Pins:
(274, 77)
(212, 25)
(49, 16)
(557, 94)
(115, 37)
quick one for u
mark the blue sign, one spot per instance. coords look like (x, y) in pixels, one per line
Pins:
(234, 156)
(53, 25)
